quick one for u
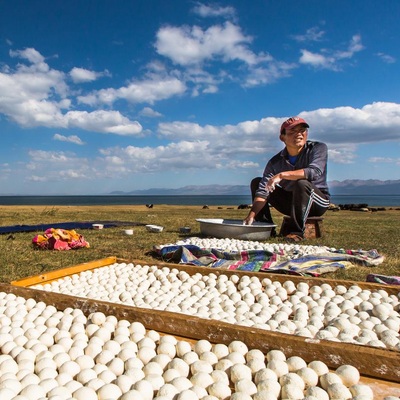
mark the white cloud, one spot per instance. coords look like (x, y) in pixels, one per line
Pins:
(58, 157)
(242, 147)
(388, 59)
(191, 45)
(80, 75)
(376, 122)
(31, 55)
(316, 60)
(176, 156)
(69, 139)
(341, 154)
(249, 137)
(53, 166)
(35, 95)
(145, 91)
(386, 160)
(149, 112)
(103, 121)
(261, 75)
(196, 50)
(329, 59)
(342, 128)
(313, 34)
(214, 10)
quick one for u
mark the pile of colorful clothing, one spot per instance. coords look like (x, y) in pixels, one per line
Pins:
(60, 239)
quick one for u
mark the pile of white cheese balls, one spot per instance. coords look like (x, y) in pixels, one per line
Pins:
(64, 355)
(237, 245)
(340, 314)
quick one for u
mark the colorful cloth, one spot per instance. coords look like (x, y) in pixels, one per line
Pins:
(60, 239)
(266, 261)
(383, 279)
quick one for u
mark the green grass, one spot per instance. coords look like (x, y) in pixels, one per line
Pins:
(18, 258)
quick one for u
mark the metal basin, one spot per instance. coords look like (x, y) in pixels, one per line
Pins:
(234, 229)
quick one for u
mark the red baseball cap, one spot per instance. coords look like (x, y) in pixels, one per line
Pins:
(291, 122)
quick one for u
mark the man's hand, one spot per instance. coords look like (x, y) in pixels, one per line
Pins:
(248, 220)
(273, 182)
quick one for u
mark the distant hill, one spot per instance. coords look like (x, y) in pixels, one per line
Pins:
(347, 187)
(233, 190)
(365, 187)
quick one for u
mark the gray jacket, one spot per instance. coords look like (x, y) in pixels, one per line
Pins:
(313, 159)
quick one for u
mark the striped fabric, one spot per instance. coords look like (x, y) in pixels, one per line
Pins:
(265, 261)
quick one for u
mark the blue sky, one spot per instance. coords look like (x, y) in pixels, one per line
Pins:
(98, 96)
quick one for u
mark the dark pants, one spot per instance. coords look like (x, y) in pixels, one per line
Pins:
(304, 201)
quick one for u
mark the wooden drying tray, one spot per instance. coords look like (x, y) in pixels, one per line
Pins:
(377, 367)
(192, 270)
(376, 363)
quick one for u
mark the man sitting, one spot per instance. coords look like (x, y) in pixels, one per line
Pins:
(293, 182)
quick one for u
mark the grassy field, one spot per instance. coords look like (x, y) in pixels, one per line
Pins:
(18, 258)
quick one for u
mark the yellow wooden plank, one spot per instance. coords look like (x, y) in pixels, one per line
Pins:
(61, 273)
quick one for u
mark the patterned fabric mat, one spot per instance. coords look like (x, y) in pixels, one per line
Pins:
(383, 279)
(282, 261)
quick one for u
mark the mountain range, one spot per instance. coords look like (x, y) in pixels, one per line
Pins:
(347, 187)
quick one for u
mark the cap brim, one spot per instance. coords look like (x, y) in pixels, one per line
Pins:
(297, 123)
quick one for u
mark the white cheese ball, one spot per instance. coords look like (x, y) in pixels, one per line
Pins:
(256, 365)
(317, 392)
(278, 366)
(264, 374)
(328, 379)
(144, 387)
(271, 386)
(201, 366)
(292, 379)
(223, 364)
(240, 396)
(132, 394)
(246, 386)
(220, 350)
(33, 392)
(85, 393)
(209, 356)
(292, 392)
(167, 390)
(338, 391)
(276, 355)
(219, 390)
(348, 374)
(187, 394)
(202, 345)
(309, 376)
(181, 383)
(182, 347)
(239, 372)
(255, 354)
(319, 367)
(238, 346)
(202, 379)
(295, 363)
(362, 390)
(8, 394)
(264, 395)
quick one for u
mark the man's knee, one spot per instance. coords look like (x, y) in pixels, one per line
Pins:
(254, 184)
(302, 185)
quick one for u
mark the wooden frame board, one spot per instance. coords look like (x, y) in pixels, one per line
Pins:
(373, 362)
(191, 270)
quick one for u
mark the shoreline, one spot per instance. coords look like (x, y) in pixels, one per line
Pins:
(160, 207)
